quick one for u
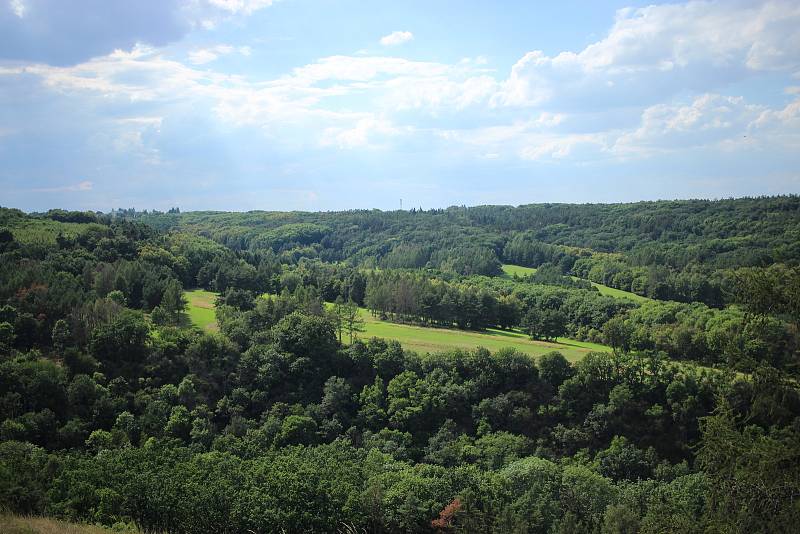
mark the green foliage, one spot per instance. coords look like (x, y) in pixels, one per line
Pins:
(113, 412)
(25, 472)
(754, 474)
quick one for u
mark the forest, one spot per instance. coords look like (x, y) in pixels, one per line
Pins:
(115, 411)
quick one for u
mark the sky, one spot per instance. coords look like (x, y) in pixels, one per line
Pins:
(337, 104)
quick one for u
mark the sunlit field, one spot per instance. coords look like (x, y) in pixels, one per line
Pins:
(200, 308)
(518, 270)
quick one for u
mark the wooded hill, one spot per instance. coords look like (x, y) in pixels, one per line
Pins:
(671, 250)
(114, 411)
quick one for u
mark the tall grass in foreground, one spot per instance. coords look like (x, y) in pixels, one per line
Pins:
(11, 524)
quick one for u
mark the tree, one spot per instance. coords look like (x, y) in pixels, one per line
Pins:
(338, 316)
(306, 335)
(532, 485)
(554, 368)
(121, 345)
(179, 424)
(25, 472)
(61, 335)
(624, 461)
(296, 429)
(532, 323)
(620, 519)
(160, 316)
(545, 324)
(617, 333)
(353, 322)
(173, 302)
(7, 242)
(754, 474)
(447, 517)
(7, 336)
(99, 440)
(337, 399)
(372, 401)
(585, 495)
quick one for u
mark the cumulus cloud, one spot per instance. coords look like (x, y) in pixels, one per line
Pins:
(651, 85)
(712, 121)
(17, 7)
(367, 132)
(397, 38)
(705, 121)
(657, 51)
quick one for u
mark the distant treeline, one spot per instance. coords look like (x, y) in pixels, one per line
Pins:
(668, 250)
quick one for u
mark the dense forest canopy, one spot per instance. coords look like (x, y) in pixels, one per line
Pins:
(115, 410)
(671, 250)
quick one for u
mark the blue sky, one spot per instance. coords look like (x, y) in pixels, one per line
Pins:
(322, 105)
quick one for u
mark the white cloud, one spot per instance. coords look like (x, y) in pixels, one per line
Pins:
(707, 120)
(397, 38)
(657, 51)
(17, 7)
(589, 145)
(366, 133)
(545, 109)
(201, 56)
(85, 185)
(132, 140)
(358, 68)
(68, 33)
(534, 139)
(245, 7)
(789, 115)
(139, 75)
(144, 121)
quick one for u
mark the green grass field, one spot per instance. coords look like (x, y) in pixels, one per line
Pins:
(518, 270)
(420, 339)
(426, 340)
(619, 293)
(200, 308)
(511, 270)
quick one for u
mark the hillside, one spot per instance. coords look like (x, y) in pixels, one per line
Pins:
(421, 339)
(315, 395)
(669, 250)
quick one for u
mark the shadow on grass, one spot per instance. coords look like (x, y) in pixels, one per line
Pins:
(183, 320)
(505, 333)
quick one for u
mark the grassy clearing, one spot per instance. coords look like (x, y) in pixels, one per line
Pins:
(618, 293)
(419, 338)
(426, 340)
(200, 308)
(511, 270)
(518, 270)
(42, 525)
